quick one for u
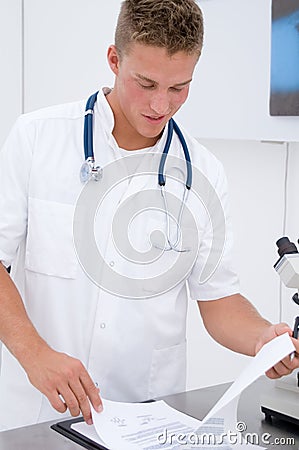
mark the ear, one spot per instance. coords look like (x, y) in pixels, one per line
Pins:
(113, 59)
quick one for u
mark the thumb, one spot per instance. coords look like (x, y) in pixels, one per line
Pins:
(272, 332)
(281, 328)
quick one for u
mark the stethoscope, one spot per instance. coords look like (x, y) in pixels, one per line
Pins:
(90, 170)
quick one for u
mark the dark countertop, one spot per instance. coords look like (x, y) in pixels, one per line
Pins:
(196, 403)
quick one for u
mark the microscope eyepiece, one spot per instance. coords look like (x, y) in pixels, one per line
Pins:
(285, 246)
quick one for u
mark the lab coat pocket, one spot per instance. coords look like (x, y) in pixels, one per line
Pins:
(50, 249)
(168, 371)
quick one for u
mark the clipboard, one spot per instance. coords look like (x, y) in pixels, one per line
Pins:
(65, 429)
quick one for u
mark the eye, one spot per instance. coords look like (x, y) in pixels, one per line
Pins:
(146, 86)
(173, 89)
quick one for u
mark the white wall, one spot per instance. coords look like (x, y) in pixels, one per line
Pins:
(65, 49)
(11, 66)
(11, 63)
(65, 45)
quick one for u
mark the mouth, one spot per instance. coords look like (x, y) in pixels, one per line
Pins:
(154, 119)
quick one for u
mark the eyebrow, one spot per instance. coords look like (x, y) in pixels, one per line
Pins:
(148, 80)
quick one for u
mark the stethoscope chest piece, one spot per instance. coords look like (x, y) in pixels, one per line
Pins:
(89, 170)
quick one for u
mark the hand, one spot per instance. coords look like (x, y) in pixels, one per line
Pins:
(65, 382)
(289, 363)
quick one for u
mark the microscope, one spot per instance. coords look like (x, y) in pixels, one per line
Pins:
(282, 402)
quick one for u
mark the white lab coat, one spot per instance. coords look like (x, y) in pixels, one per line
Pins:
(133, 349)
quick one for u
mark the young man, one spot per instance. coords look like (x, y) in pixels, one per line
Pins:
(65, 337)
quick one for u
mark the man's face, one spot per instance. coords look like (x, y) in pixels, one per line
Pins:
(149, 89)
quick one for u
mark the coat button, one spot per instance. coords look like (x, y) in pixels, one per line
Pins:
(103, 325)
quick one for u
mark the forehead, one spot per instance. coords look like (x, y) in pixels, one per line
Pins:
(156, 64)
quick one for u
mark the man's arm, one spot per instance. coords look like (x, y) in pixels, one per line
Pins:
(51, 372)
(235, 323)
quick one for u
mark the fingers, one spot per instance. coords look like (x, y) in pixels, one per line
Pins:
(278, 371)
(296, 345)
(73, 398)
(92, 391)
(83, 392)
(284, 367)
(66, 383)
(77, 401)
(288, 364)
(79, 392)
(57, 403)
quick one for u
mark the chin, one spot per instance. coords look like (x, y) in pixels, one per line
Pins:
(152, 132)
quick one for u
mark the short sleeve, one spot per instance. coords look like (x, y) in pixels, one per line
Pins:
(213, 275)
(15, 164)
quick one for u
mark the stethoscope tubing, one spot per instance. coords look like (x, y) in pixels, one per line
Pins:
(172, 126)
(88, 127)
(96, 171)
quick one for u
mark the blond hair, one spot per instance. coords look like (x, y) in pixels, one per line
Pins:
(176, 25)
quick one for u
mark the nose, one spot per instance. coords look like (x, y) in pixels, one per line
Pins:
(160, 104)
